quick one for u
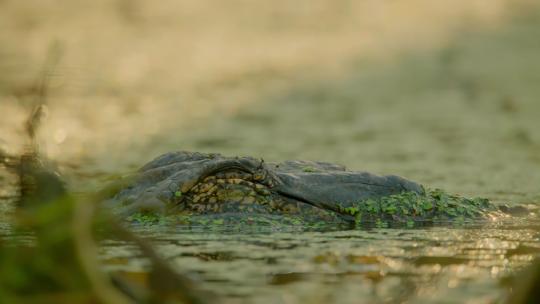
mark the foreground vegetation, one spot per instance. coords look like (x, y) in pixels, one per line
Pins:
(473, 101)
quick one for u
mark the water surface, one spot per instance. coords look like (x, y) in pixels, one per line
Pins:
(433, 95)
(454, 264)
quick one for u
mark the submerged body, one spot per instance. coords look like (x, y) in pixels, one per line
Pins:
(210, 186)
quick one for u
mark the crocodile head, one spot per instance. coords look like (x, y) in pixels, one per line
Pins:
(236, 187)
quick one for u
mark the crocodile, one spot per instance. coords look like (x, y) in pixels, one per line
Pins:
(193, 187)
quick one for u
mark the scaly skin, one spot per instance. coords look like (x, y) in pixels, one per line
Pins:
(226, 189)
(235, 193)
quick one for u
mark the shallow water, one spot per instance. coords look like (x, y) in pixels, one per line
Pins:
(461, 115)
(468, 263)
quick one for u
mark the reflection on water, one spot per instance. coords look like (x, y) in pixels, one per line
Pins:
(423, 265)
(459, 111)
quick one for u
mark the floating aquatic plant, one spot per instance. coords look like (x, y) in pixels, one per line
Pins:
(434, 204)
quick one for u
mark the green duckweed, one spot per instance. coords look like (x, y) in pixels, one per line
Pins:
(434, 204)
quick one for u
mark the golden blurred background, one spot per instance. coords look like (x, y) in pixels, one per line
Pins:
(445, 92)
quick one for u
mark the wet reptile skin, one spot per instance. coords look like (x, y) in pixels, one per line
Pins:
(210, 184)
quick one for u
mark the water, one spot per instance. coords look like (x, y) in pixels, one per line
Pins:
(458, 111)
(421, 265)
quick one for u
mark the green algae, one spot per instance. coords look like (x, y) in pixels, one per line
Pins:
(235, 221)
(309, 169)
(408, 207)
(146, 218)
